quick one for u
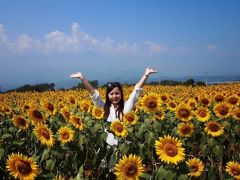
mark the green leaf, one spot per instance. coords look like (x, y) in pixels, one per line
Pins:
(45, 155)
(1, 153)
(19, 143)
(80, 173)
(169, 175)
(49, 175)
(142, 128)
(183, 177)
(211, 174)
(6, 135)
(82, 140)
(50, 164)
(12, 129)
(211, 142)
(124, 148)
(160, 173)
(146, 176)
(218, 152)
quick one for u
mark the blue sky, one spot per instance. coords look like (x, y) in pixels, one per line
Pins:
(45, 41)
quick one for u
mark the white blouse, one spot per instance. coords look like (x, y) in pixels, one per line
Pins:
(128, 105)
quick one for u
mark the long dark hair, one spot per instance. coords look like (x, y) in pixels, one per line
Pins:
(119, 111)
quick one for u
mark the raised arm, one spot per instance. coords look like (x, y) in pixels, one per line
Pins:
(85, 82)
(144, 78)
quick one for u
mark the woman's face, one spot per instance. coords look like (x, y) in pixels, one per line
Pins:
(115, 96)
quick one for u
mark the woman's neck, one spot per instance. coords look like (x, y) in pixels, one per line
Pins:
(115, 106)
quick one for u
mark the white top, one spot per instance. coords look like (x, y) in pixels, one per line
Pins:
(128, 105)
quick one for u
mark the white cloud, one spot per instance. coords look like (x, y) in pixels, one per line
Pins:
(211, 47)
(155, 48)
(78, 41)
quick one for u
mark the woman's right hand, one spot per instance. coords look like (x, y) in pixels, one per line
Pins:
(77, 75)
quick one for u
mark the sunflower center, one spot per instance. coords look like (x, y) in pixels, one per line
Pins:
(119, 128)
(192, 104)
(152, 104)
(223, 110)
(50, 107)
(37, 114)
(163, 98)
(202, 113)
(65, 135)
(235, 171)
(214, 127)
(218, 98)
(233, 100)
(85, 108)
(194, 168)
(98, 112)
(205, 101)
(185, 130)
(23, 167)
(21, 122)
(72, 100)
(184, 113)
(170, 149)
(131, 169)
(130, 118)
(45, 134)
(26, 107)
(172, 105)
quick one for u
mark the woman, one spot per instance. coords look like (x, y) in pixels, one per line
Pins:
(115, 107)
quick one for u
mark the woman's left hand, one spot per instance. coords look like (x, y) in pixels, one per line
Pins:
(149, 71)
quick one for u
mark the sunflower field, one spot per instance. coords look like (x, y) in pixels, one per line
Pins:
(174, 132)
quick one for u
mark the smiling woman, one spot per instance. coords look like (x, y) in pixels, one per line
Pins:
(115, 106)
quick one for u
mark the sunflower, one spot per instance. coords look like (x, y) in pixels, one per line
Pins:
(36, 116)
(85, 106)
(20, 122)
(130, 118)
(49, 107)
(163, 97)
(169, 149)
(97, 112)
(195, 166)
(232, 100)
(76, 122)
(159, 114)
(185, 129)
(71, 100)
(183, 112)
(66, 113)
(222, 110)
(204, 100)
(203, 114)
(171, 105)
(151, 103)
(218, 98)
(236, 114)
(214, 128)
(129, 167)
(192, 103)
(44, 134)
(21, 166)
(65, 134)
(233, 169)
(119, 129)
(6, 109)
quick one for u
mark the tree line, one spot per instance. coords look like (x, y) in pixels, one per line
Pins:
(95, 83)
